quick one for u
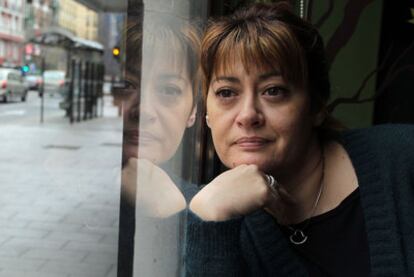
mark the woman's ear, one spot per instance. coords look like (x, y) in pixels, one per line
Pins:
(191, 119)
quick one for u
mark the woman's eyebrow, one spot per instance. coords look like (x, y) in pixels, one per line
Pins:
(269, 75)
(230, 79)
(168, 76)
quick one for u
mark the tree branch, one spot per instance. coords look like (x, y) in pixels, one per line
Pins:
(346, 28)
(325, 16)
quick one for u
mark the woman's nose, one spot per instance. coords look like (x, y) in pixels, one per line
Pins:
(148, 108)
(141, 107)
(250, 114)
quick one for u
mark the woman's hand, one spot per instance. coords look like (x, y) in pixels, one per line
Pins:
(156, 194)
(236, 192)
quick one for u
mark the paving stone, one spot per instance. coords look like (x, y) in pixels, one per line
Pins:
(24, 243)
(109, 239)
(7, 214)
(55, 255)
(23, 273)
(13, 223)
(74, 236)
(90, 246)
(38, 217)
(101, 258)
(54, 226)
(17, 263)
(112, 272)
(12, 252)
(22, 232)
(75, 269)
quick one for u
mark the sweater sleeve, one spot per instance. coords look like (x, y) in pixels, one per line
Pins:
(213, 248)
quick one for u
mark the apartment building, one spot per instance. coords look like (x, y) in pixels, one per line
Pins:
(12, 14)
(40, 15)
(77, 18)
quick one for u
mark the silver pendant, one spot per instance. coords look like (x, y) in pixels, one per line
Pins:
(298, 237)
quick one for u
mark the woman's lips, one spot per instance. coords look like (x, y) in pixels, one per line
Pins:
(142, 137)
(145, 138)
(251, 143)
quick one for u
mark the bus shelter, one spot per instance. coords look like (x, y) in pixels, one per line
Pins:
(84, 72)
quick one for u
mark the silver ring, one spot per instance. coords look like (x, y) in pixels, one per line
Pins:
(271, 182)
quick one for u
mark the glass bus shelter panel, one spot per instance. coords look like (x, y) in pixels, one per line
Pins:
(159, 163)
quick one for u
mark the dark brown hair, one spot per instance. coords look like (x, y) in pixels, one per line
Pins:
(176, 39)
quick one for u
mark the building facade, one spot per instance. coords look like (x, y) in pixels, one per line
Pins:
(12, 14)
(78, 19)
(40, 14)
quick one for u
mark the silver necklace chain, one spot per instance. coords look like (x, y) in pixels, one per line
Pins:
(298, 236)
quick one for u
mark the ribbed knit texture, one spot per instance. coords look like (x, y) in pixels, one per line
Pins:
(383, 158)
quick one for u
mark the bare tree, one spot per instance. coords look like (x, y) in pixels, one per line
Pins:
(345, 29)
(324, 16)
(390, 76)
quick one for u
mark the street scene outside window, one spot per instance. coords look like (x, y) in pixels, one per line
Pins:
(105, 135)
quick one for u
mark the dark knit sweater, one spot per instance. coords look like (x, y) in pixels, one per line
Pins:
(253, 245)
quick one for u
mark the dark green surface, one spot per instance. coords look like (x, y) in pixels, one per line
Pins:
(355, 61)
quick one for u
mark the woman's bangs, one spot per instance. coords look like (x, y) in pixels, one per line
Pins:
(260, 51)
(165, 47)
(230, 52)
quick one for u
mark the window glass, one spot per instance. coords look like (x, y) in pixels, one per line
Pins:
(160, 103)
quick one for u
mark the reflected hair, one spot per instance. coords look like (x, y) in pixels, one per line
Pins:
(271, 36)
(166, 35)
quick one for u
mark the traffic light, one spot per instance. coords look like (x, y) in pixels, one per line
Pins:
(116, 52)
(25, 68)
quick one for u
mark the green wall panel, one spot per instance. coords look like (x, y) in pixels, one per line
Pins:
(355, 60)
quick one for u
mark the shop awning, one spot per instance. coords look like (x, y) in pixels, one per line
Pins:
(105, 5)
(59, 37)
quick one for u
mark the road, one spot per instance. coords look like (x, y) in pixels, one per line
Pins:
(59, 191)
(28, 113)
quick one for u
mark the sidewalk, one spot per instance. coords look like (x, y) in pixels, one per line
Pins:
(60, 197)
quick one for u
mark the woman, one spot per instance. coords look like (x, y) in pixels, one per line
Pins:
(160, 106)
(301, 197)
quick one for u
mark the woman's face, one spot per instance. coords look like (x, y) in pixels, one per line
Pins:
(258, 118)
(164, 111)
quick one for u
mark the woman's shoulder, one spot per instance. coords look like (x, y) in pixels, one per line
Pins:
(391, 136)
(387, 130)
(384, 144)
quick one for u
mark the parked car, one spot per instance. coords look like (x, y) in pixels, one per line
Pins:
(12, 86)
(33, 82)
(54, 82)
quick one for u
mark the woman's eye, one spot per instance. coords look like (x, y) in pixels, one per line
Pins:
(129, 87)
(169, 90)
(275, 91)
(225, 93)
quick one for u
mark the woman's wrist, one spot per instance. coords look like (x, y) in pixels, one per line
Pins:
(203, 206)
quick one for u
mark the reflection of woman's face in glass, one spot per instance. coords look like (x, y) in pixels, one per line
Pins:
(164, 110)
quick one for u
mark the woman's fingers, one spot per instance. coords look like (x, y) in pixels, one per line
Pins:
(233, 193)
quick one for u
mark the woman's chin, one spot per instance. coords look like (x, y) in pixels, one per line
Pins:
(261, 164)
